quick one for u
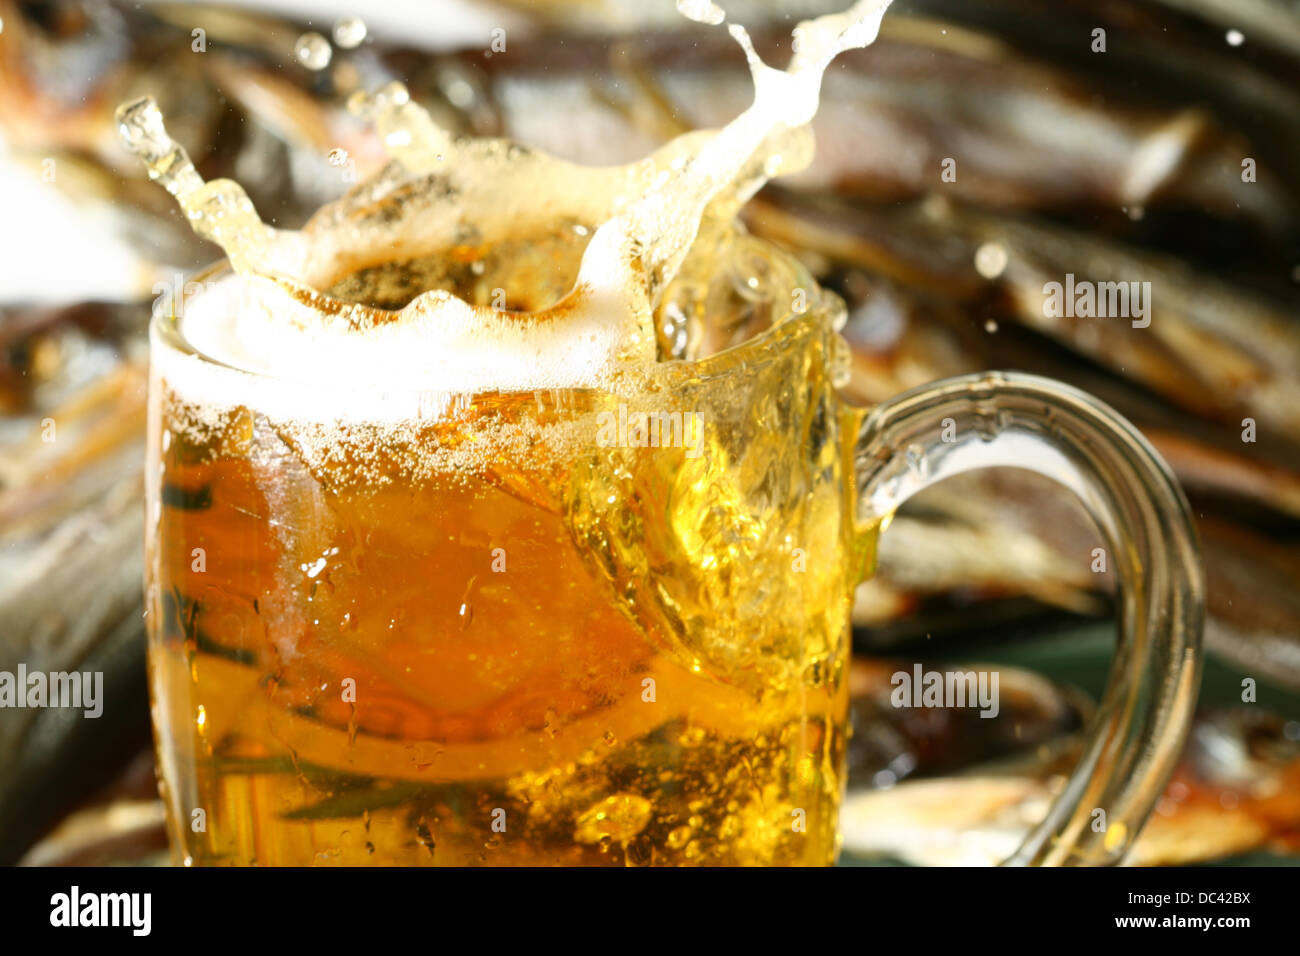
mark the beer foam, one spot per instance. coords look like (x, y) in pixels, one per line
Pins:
(252, 342)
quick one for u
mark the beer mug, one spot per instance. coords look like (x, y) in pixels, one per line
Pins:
(596, 625)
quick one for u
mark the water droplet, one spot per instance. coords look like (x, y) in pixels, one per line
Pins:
(313, 51)
(1235, 37)
(349, 32)
(990, 260)
(990, 326)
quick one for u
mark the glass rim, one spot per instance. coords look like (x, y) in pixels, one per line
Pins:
(823, 308)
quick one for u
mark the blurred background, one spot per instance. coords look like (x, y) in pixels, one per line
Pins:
(975, 152)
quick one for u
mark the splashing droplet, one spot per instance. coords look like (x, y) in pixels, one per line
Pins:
(313, 51)
(409, 133)
(219, 211)
(990, 260)
(701, 11)
(643, 218)
(349, 32)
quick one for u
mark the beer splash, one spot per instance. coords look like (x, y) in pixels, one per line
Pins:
(345, 512)
(639, 223)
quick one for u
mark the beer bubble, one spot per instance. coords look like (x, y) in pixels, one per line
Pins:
(841, 363)
(349, 32)
(313, 51)
(617, 818)
(338, 157)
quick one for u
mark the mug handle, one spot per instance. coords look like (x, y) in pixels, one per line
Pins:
(1003, 419)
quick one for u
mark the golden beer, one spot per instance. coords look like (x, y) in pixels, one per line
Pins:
(514, 631)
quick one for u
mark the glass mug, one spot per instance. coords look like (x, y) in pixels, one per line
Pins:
(594, 626)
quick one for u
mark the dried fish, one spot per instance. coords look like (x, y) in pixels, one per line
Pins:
(1215, 350)
(1001, 534)
(1236, 788)
(1026, 135)
(71, 550)
(890, 744)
